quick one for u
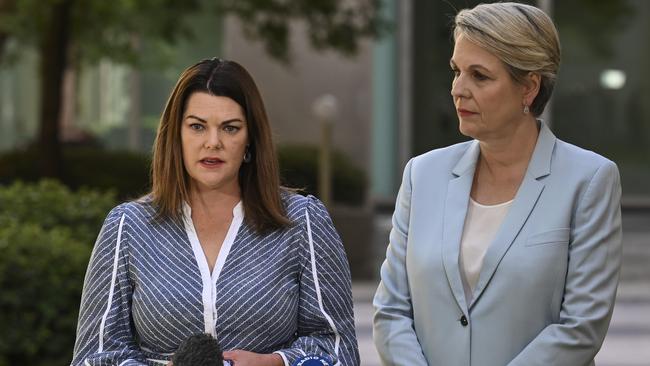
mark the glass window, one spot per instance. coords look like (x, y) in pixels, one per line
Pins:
(602, 99)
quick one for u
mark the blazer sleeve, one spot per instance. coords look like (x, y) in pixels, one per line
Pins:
(591, 282)
(393, 328)
(325, 314)
(104, 330)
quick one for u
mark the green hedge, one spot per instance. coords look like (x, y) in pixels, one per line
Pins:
(46, 236)
(128, 173)
(41, 275)
(50, 205)
(299, 169)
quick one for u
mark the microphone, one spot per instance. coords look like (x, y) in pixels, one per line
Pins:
(312, 360)
(198, 350)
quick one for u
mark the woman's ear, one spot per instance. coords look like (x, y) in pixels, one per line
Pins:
(532, 83)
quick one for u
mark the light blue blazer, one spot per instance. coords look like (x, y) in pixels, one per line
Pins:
(546, 290)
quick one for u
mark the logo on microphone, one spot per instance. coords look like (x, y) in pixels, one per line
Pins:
(312, 360)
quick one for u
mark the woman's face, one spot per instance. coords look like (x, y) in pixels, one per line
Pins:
(489, 103)
(214, 137)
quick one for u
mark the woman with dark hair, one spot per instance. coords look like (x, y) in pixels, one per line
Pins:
(218, 246)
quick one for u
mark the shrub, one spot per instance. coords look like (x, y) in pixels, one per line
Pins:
(46, 236)
(124, 172)
(127, 173)
(299, 169)
(50, 205)
(41, 276)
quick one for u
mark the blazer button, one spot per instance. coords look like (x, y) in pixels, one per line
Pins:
(463, 321)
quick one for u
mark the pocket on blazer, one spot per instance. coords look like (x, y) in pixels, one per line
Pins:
(554, 236)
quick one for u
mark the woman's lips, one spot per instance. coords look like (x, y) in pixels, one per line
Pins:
(465, 112)
(211, 163)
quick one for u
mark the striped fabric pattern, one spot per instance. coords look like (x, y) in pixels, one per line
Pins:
(280, 292)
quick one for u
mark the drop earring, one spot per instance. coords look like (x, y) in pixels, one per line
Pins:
(247, 155)
(526, 109)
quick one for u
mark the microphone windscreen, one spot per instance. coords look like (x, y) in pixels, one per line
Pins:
(198, 350)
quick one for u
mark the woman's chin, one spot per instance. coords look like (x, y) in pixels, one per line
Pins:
(467, 129)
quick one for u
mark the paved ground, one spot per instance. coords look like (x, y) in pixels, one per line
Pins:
(628, 340)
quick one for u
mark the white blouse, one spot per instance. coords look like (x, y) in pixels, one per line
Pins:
(481, 225)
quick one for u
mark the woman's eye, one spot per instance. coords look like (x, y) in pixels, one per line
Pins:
(455, 72)
(480, 77)
(197, 127)
(231, 129)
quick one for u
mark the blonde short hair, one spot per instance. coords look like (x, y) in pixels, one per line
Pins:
(522, 36)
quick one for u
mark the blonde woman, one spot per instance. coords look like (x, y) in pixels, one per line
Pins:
(505, 250)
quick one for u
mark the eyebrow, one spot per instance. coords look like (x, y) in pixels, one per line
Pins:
(197, 118)
(222, 122)
(473, 66)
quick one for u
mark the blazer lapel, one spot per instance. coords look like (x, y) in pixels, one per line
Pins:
(523, 204)
(458, 191)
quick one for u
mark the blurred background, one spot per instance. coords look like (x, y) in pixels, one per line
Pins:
(83, 84)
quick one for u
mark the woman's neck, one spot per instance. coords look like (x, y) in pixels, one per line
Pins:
(214, 200)
(502, 165)
(512, 151)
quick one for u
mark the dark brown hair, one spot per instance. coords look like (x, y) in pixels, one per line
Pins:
(259, 179)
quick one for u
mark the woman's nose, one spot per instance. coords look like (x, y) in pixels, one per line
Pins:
(458, 88)
(213, 140)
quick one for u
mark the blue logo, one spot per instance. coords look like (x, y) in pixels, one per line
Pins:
(312, 360)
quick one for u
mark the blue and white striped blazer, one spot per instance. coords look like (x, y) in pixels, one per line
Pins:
(148, 288)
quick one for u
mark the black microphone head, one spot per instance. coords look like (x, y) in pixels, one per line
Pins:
(198, 350)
